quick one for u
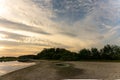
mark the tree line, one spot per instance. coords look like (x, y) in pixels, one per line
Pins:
(4, 59)
(108, 52)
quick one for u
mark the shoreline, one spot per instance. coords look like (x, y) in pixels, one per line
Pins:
(17, 70)
(46, 70)
(30, 71)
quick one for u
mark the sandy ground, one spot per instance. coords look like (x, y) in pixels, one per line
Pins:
(47, 70)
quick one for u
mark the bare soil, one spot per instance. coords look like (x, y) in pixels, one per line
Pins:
(48, 70)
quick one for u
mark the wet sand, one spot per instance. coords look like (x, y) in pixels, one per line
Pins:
(47, 70)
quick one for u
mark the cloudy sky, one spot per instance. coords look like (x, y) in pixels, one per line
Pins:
(28, 26)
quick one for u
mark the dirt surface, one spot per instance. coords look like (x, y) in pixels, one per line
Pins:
(48, 70)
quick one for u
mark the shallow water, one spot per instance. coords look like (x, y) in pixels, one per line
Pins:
(6, 67)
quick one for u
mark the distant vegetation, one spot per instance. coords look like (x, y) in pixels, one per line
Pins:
(26, 58)
(4, 59)
(108, 52)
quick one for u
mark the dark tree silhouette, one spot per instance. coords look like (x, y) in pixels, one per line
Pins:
(95, 53)
(57, 54)
(85, 54)
(108, 52)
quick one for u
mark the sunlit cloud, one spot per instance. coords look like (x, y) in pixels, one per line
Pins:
(28, 26)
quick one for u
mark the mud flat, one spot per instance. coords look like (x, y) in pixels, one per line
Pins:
(56, 70)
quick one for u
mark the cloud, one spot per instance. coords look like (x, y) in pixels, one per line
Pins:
(9, 35)
(71, 24)
(20, 26)
(72, 10)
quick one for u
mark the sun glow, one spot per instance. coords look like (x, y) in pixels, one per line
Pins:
(2, 47)
(2, 10)
(3, 7)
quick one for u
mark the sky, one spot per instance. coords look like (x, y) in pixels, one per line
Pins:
(28, 26)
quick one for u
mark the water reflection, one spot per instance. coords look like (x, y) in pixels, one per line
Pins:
(6, 67)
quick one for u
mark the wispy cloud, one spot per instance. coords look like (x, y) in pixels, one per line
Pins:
(71, 24)
(20, 26)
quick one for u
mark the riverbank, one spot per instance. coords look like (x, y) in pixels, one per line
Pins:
(48, 70)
